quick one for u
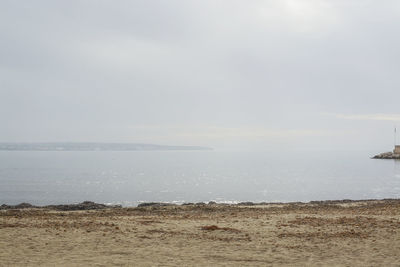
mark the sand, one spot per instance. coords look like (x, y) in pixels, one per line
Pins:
(362, 233)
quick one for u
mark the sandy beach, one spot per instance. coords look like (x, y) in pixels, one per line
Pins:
(336, 233)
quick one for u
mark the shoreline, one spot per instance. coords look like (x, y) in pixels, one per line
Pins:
(339, 233)
(90, 205)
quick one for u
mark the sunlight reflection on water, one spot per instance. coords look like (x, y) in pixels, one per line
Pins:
(128, 178)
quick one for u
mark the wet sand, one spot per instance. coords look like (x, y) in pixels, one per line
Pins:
(360, 233)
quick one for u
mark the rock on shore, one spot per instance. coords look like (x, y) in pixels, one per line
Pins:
(387, 155)
(86, 205)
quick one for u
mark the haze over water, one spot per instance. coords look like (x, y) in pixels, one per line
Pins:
(131, 177)
(273, 75)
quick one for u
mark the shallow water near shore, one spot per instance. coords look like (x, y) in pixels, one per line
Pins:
(132, 177)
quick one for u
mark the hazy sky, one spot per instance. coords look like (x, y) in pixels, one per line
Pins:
(282, 73)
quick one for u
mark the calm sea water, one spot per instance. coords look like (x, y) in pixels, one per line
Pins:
(129, 178)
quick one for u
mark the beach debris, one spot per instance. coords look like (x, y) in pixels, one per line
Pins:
(215, 227)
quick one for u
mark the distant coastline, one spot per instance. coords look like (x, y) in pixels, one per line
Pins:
(81, 146)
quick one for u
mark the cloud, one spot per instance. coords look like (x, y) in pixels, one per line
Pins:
(223, 71)
(215, 132)
(375, 117)
(307, 16)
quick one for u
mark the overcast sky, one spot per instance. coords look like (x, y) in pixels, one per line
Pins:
(270, 74)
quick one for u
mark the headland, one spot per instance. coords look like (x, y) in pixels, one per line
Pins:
(389, 155)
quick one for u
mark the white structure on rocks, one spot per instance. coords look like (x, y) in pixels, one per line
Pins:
(391, 155)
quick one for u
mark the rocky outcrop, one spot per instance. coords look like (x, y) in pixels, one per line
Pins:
(86, 205)
(247, 203)
(155, 204)
(387, 155)
(18, 207)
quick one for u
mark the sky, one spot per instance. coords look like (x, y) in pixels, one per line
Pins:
(271, 74)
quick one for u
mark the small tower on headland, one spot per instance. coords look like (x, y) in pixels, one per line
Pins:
(396, 150)
(391, 155)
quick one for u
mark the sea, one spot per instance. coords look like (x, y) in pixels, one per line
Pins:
(128, 178)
